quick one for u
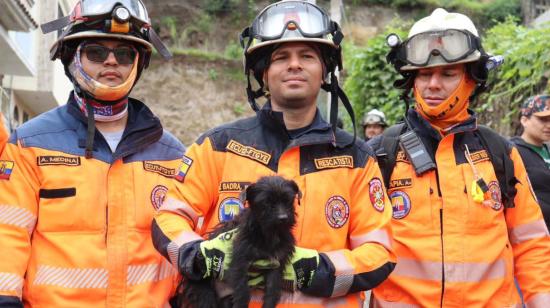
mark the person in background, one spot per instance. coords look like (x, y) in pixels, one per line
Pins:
(81, 183)
(374, 123)
(534, 150)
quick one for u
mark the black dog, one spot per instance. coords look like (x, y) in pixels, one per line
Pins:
(265, 232)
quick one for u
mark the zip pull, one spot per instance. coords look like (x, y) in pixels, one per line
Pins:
(478, 186)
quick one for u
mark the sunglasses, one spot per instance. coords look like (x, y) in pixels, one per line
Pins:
(124, 54)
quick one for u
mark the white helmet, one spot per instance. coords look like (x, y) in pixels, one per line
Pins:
(440, 39)
(374, 116)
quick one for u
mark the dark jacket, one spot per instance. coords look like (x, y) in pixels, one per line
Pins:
(539, 175)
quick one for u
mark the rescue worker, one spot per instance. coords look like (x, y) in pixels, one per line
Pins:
(76, 204)
(535, 153)
(461, 232)
(3, 133)
(374, 123)
(342, 235)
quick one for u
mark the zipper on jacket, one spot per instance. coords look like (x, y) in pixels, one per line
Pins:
(442, 258)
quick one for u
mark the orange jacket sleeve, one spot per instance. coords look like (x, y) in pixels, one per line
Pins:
(530, 240)
(3, 133)
(18, 212)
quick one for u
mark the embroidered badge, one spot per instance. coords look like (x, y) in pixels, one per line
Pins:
(401, 204)
(337, 211)
(345, 161)
(6, 167)
(186, 163)
(233, 186)
(496, 198)
(57, 161)
(157, 196)
(376, 194)
(229, 208)
(167, 172)
(479, 156)
(402, 157)
(248, 152)
(400, 183)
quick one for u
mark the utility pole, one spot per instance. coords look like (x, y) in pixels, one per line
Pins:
(336, 15)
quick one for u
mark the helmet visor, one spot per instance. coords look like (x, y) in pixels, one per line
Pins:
(305, 17)
(91, 8)
(451, 45)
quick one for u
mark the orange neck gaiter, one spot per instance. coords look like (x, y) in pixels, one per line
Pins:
(453, 110)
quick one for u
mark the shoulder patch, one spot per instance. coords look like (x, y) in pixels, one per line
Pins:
(158, 194)
(6, 167)
(58, 161)
(229, 208)
(479, 156)
(248, 152)
(337, 211)
(186, 163)
(167, 172)
(344, 161)
(376, 194)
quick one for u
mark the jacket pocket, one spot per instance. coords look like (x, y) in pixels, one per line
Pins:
(57, 193)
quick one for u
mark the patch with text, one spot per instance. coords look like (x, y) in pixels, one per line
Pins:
(158, 169)
(400, 183)
(376, 194)
(186, 163)
(248, 152)
(58, 161)
(233, 186)
(337, 211)
(345, 161)
(401, 204)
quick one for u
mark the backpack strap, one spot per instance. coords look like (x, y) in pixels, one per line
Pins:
(390, 142)
(499, 153)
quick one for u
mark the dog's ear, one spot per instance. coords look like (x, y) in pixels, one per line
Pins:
(297, 191)
(245, 193)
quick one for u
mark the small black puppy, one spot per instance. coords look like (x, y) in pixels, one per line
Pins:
(265, 232)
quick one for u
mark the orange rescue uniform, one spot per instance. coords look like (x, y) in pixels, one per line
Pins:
(3, 133)
(75, 232)
(456, 252)
(344, 212)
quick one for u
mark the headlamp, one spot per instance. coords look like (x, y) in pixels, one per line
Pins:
(121, 14)
(393, 40)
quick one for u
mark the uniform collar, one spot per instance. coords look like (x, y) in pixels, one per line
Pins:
(423, 126)
(142, 129)
(318, 132)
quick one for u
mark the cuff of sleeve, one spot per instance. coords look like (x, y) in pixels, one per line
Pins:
(10, 302)
(191, 263)
(322, 283)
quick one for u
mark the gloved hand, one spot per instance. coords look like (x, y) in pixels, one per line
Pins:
(216, 254)
(297, 274)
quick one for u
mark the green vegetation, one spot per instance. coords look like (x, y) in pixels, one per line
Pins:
(525, 72)
(484, 14)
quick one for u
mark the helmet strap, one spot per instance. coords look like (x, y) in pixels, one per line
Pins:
(336, 93)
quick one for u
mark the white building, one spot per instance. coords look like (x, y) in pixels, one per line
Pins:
(29, 82)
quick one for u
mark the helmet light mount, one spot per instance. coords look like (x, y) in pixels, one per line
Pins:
(393, 40)
(121, 14)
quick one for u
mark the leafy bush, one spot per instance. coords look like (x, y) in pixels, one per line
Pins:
(369, 83)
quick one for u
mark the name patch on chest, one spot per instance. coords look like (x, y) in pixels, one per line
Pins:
(57, 161)
(233, 186)
(401, 183)
(249, 152)
(334, 162)
(479, 156)
(167, 172)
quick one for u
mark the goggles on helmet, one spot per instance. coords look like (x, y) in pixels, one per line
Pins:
(92, 8)
(452, 45)
(308, 19)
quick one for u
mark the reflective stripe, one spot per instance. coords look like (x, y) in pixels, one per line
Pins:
(454, 272)
(183, 209)
(380, 303)
(300, 298)
(86, 278)
(343, 272)
(17, 216)
(138, 274)
(174, 246)
(539, 301)
(377, 236)
(11, 283)
(525, 232)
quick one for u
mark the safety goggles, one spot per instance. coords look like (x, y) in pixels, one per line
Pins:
(307, 18)
(452, 45)
(97, 53)
(93, 8)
